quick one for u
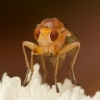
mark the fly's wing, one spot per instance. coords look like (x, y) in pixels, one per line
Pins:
(70, 39)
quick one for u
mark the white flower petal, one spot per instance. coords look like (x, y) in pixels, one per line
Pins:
(11, 89)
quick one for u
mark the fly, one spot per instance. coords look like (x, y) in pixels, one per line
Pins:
(54, 41)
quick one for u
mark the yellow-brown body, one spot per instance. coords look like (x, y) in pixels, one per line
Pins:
(55, 41)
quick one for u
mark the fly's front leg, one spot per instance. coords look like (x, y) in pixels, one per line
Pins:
(34, 50)
(66, 49)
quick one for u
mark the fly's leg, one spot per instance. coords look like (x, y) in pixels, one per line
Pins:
(55, 75)
(44, 68)
(31, 67)
(72, 64)
(66, 49)
(34, 50)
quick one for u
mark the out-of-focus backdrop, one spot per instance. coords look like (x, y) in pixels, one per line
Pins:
(18, 19)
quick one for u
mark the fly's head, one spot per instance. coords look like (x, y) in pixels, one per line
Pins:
(50, 35)
(48, 31)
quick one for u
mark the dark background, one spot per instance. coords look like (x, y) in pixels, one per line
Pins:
(19, 17)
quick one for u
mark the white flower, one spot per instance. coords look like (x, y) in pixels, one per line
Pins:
(11, 89)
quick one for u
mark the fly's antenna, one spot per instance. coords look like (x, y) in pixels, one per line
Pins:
(66, 25)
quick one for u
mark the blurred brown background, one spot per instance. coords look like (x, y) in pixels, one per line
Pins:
(17, 18)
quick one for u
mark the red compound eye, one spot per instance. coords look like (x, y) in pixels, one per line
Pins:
(37, 33)
(53, 35)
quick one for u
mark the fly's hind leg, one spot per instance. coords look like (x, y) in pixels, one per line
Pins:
(66, 49)
(34, 50)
